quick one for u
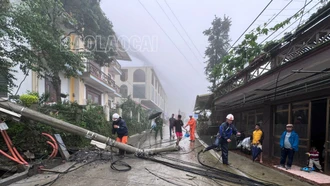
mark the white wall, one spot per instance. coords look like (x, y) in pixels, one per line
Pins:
(65, 85)
(26, 84)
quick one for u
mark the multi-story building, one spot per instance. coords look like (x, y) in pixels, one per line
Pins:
(95, 84)
(143, 86)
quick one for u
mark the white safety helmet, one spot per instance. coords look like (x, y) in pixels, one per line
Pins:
(230, 117)
(190, 115)
(115, 116)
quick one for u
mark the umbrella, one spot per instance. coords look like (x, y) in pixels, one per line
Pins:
(256, 150)
(155, 115)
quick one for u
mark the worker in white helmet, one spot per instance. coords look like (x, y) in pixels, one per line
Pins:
(226, 129)
(119, 126)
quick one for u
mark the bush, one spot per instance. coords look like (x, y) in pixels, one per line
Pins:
(133, 124)
(27, 100)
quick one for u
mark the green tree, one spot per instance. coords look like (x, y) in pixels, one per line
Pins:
(42, 23)
(13, 48)
(96, 28)
(218, 38)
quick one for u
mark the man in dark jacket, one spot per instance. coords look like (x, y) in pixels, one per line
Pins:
(178, 124)
(119, 126)
(226, 129)
(171, 124)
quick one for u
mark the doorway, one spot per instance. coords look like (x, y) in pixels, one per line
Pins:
(318, 125)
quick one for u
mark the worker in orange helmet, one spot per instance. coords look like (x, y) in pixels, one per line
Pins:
(192, 126)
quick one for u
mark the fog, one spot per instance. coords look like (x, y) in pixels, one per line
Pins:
(179, 63)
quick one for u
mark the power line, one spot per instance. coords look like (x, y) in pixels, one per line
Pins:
(278, 13)
(250, 25)
(168, 36)
(177, 30)
(302, 9)
(183, 29)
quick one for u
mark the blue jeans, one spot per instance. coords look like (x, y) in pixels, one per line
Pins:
(287, 153)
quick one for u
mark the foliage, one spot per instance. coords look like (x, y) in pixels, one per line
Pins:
(27, 134)
(95, 27)
(41, 23)
(133, 123)
(202, 124)
(13, 48)
(218, 38)
(27, 100)
(326, 5)
(247, 50)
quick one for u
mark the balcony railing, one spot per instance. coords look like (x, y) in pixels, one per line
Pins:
(117, 89)
(97, 72)
(116, 64)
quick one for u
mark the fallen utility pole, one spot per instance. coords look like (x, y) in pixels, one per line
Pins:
(62, 125)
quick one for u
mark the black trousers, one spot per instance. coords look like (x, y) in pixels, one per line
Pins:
(171, 129)
(287, 153)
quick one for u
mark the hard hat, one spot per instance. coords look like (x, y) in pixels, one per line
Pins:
(190, 115)
(230, 117)
(115, 116)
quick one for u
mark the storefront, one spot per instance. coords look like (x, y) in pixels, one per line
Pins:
(311, 122)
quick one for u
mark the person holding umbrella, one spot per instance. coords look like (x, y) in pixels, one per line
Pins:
(159, 127)
(256, 140)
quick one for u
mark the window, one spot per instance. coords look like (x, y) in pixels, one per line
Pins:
(124, 91)
(124, 75)
(281, 119)
(93, 95)
(139, 76)
(139, 91)
(152, 79)
(300, 118)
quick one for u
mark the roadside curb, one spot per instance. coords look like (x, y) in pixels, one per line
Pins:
(217, 156)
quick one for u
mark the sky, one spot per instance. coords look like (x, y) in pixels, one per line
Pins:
(148, 33)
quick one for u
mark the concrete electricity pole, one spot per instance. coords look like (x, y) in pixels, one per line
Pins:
(65, 126)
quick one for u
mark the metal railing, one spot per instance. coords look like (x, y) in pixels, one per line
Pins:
(97, 72)
(116, 64)
(311, 40)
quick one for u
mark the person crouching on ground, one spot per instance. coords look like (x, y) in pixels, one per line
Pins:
(178, 124)
(314, 159)
(226, 129)
(289, 145)
(119, 127)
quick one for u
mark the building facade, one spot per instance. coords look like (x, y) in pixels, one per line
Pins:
(95, 84)
(291, 85)
(143, 86)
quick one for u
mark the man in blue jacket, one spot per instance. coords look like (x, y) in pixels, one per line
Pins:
(226, 129)
(289, 145)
